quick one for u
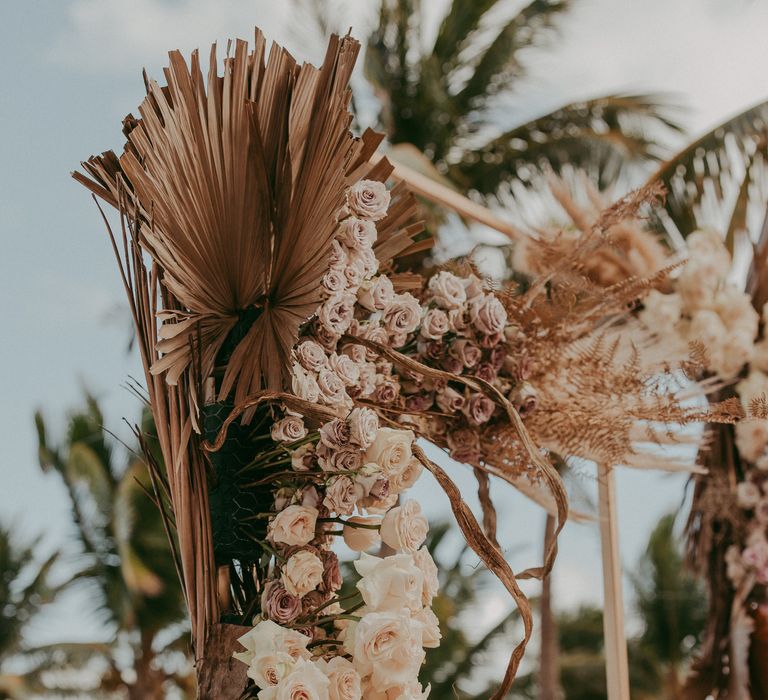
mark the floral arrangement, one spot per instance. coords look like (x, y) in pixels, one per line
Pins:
(728, 526)
(342, 482)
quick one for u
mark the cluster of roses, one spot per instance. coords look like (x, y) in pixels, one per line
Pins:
(704, 307)
(463, 332)
(344, 483)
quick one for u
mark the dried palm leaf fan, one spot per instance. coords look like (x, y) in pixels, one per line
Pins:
(228, 189)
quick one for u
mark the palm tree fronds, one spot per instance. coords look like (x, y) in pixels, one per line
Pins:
(724, 158)
(606, 133)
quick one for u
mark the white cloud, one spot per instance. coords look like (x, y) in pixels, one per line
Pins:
(108, 36)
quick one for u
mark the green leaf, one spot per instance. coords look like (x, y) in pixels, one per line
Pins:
(84, 466)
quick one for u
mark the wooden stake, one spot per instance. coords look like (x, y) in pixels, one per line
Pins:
(616, 665)
(440, 194)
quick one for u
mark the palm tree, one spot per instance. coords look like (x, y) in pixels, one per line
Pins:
(718, 179)
(125, 560)
(671, 604)
(25, 588)
(445, 102)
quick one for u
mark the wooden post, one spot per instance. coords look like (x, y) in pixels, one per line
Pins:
(616, 665)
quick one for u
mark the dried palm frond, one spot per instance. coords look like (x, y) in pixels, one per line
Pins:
(237, 180)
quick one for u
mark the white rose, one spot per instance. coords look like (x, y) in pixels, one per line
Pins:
(304, 384)
(735, 351)
(269, 639)
(344, 680)
(405, 528)
(391, 450)
(269, 669)
(369, 199)
(431, 632)
(760, 355)
(305, 682)
(359, 539)
(376, 294)
(357, 233)
(435, 324)
(488, 314)
(289, 429)
(302, 573)
(388, 648)
(294, 526)
(403, 315)
(423, 559)
(447, 290)
(390, 583)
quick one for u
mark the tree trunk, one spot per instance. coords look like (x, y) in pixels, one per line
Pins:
(549, 664)
(219, 676)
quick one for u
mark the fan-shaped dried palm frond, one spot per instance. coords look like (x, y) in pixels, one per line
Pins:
(238, 179)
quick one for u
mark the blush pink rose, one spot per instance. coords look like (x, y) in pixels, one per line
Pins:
(404, 528)
(294, 526)
(369, 199)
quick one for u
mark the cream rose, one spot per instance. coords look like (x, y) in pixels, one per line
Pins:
(310, 355)
(447, 290)
(302, 573)
(344, 680)
(364, 427)
(369, 199)
(346, 369)
(405, 528)
(334, 281)
(360, 539)
(488, 314)
(431, 633)
(376, 294)
(391, 450)
(270, 669)
(304, 384)
(365, 260)
(391, 583)
(357, 233)
(339, 257)
(403, 315)
(423, 559)
(305, 682)
(332, 389)
(288, 429)
(294, 526)
(406, 478)
(388, 648)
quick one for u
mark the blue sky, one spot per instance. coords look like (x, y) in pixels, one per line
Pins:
(73, 70)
